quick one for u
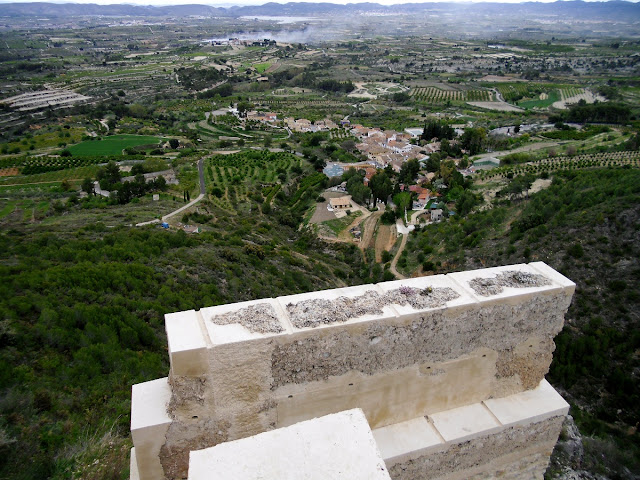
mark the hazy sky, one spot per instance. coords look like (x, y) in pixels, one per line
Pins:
(227, 3)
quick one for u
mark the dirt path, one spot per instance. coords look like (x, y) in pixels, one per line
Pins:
(369, 226)
(394, 262)
(384, 240)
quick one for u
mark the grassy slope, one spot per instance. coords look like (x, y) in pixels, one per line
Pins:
(586, 226)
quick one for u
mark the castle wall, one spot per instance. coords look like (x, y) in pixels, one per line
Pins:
(397, 350)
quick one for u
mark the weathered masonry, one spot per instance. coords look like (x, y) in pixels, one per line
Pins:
(438, 377)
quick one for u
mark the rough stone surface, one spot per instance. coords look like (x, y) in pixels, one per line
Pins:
(183, 437)
(186, 391)
(529, 366)
(457, 458)
(433, 337)
(514, 279)
(311, 313)
(260, 318)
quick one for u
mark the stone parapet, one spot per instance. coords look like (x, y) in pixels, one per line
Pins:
(398, 350)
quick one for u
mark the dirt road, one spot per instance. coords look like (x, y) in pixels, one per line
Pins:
(394, 262)
(369, 226)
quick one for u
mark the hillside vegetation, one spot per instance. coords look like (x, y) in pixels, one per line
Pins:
(586, 226)
(82, 315)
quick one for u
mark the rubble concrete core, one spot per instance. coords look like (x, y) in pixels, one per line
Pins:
(407, 353)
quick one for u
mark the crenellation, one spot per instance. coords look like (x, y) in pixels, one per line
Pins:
(187, 344)
(432, 347)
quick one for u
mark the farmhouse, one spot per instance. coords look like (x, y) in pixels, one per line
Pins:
(340, 203)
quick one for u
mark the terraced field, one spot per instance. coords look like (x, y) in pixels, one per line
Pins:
(551, 164)
(55, 177)
(438, 95)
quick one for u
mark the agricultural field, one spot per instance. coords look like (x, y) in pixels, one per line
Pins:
(235, 177)
(74, 175)
(114, 145)
(544, 100)
(552, 164)
(439, 96)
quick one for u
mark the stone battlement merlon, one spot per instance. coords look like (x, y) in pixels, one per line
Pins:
(396, 350)
(190, 333)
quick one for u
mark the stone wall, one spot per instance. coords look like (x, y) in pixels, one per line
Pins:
(397, 350)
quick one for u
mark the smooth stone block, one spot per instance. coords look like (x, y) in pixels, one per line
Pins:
(187, 344)
(149, 424)
(529, 407)
(338, 447)
(404, 441)
(465, 423)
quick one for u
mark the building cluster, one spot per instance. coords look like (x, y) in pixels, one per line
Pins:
(388, 147)
(303, 125)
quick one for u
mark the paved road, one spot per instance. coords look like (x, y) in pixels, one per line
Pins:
(203, 192)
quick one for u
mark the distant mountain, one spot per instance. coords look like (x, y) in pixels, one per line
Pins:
(578, 10)
(42, 9)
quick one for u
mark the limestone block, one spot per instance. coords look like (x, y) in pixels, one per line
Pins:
(238, 386)
(408, 440)
(149, 424)
(511, 439)
(530, 406)
(187, 344)
(465, 423)
(398, 350)
(338, 446)
(133, 466)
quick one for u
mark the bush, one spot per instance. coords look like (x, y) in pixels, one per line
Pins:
(576, 250)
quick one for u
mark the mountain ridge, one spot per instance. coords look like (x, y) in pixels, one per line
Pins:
(613, 10)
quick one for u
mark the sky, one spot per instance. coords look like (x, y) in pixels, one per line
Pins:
(227, 3)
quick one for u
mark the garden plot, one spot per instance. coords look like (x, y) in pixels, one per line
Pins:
(235, 176)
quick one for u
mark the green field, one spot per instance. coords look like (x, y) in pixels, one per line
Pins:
(262, 67)
(553, 96)
(112, 145)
